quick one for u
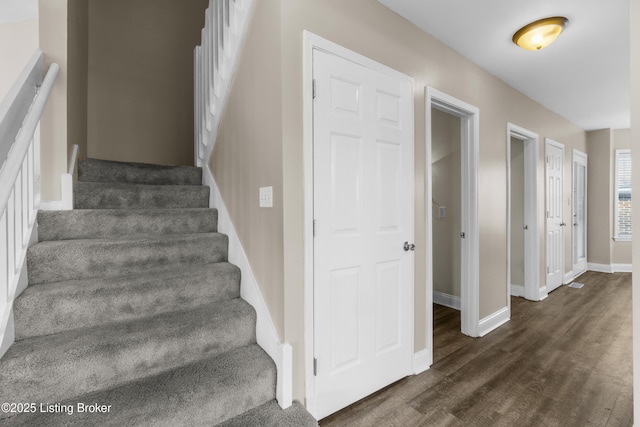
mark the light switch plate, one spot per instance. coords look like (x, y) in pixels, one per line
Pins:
(266, 197)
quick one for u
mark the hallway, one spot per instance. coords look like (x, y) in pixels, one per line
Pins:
(565, 361)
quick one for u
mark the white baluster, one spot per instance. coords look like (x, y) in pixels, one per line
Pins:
(17, 218)
(11, 239)
(4, 259)
(30, 187)
(25, 204)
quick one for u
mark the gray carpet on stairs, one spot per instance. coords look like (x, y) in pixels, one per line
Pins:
(94, 170)
(131, 303)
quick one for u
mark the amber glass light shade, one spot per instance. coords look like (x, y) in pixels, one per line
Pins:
(540, 34)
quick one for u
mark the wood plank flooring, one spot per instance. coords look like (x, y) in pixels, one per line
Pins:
(565, 361)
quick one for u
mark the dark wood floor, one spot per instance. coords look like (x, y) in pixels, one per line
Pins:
(565, 361)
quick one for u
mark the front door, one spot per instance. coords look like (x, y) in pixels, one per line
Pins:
(363, 215)
(554, 153)
(579, 212)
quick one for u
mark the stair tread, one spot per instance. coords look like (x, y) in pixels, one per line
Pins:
(59, 260)
(206, 392)
(97, 170)
(56, 367)
(270, 414)
(118, 195)
(105, 223)
(55, 307)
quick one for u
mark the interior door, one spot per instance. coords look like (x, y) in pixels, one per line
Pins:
(363, 215)
(554, 153)
(579, 215)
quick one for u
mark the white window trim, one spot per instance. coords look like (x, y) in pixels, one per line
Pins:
(617, 237)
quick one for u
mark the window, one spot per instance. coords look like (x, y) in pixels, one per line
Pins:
(622, 196)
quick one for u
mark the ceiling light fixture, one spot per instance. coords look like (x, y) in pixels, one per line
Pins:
(540, 34)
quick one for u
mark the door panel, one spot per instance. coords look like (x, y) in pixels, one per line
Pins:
(363, 214)
(555, 224)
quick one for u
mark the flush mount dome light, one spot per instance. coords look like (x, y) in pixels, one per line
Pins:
(540, 34)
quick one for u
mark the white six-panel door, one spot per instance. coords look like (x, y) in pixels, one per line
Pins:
(554, 154)
(363, 215)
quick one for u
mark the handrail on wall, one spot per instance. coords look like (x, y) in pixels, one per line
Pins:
(20, 114)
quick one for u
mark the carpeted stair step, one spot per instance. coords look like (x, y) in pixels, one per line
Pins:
(57, 367)
(105, 195)
(57, 261)
(94, 170)
(105, 223)
(202, 394)
(56, 307)
(271, 414)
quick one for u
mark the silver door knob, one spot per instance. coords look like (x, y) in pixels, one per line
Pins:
(563, 224)
(409, 246)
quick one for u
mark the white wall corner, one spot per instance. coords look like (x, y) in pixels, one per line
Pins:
(601, 268)
(493, 321)
(266, 334)
(447, 300)
(421, 361)
(517, 291)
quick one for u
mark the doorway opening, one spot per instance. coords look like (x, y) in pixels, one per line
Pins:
(446, 224)
(579, 213)
(523, 252)
(452, 135)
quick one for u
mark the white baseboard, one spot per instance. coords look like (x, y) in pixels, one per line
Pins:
(51, 205)
(421, 361)
(621, 268)
(517, 290)
(568, 277)
(447, 300)
(542, 293)
(493, 321)
(266, 334)
(601, 268)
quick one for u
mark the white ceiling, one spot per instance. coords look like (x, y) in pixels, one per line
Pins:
(18, 10)
(583, 76)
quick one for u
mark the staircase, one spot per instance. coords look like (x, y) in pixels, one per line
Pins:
(133, 315)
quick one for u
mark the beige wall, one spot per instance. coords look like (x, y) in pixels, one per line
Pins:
(140, 84)
(620, 251)
(517, 212)
(18, 43)
(53, 126)
(77, 64)
(248, 154)
(600, 203)
(367, 27)
(446, 186)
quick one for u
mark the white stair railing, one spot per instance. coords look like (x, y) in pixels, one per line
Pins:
(20, 113)
(214, 62)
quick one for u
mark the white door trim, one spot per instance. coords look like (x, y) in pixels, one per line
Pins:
(578, 156)
(310, 43)
(470, 248)
(550, 142)
(532, 241)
